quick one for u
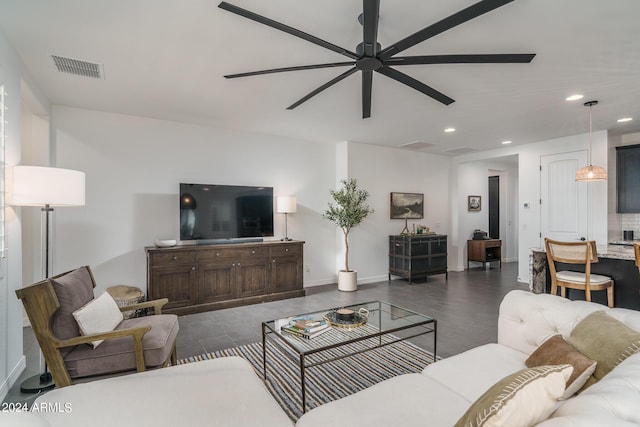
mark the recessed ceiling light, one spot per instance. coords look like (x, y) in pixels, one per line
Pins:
(450, 130)
(574, 97)
(625, 119)
(506, 142)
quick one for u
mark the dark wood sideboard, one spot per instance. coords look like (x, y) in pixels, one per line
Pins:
(414, 256)
(199, 278)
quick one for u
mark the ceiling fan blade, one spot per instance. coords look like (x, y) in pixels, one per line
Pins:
(281, 70)
(473, 11)
(287, 29)
(500, 58)
(370, 12)
(415, 84)
(323, 87)
(367, 87)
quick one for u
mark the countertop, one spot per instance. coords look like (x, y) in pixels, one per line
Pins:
(614, 251)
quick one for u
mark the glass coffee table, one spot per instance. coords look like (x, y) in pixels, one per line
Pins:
(351, 330)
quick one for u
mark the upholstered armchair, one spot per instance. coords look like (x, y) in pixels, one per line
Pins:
(55, 307)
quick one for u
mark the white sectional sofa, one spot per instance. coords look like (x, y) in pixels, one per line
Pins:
(441, 394)
(225, 392)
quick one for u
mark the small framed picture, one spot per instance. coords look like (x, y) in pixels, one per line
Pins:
(474, 203)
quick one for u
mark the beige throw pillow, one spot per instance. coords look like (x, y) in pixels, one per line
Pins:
(556, 351)
(99, 315)
(524, 398)
(606, 340)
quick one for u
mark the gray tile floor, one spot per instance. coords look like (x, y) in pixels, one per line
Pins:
(466, 306)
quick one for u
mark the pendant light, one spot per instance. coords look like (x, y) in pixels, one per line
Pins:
(591, 173)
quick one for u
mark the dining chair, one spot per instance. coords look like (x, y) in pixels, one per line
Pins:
(576, 253)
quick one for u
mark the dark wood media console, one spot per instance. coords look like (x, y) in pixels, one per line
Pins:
(211, 277)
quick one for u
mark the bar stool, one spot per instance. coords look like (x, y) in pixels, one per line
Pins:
(583, 253)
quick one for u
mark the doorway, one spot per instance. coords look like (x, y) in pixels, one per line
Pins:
(494, 207)
(563, 203)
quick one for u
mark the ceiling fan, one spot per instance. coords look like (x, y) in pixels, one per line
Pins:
(369, 56)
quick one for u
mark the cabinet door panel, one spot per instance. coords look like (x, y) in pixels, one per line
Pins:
(285, 274)
(215, 282)
(251, 278)
(173, 283)
(628, 179)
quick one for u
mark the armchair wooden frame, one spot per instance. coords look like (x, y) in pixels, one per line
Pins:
(636, 251)
(40, 303)
(583, 253)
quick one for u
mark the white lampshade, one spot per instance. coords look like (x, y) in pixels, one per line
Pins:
(286, 204)
(40, 186)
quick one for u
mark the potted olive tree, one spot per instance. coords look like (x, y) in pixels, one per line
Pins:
(349, 208)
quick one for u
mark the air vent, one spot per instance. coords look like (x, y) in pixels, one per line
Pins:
(77, 67)
(460, 150)
(417, 145)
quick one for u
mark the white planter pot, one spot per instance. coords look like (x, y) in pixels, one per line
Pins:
(347, 281)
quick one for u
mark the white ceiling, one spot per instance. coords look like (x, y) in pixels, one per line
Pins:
(166, 59)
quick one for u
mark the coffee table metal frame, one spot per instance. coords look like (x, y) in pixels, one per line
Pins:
(386, 318)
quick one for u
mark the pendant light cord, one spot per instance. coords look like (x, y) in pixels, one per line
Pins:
(590, 128)
(590, 104)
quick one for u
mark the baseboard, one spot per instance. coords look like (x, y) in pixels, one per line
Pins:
(13, 377)
(334, 281)
(319, 282)
(374, 279)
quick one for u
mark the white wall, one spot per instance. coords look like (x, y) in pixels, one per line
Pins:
(528, 183)
(134, 165)
(17, 83)
(382, 170)
(473, 180)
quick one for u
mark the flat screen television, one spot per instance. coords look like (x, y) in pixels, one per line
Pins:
(221, 212)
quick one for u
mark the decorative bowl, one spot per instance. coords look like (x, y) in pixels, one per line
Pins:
(165, 243)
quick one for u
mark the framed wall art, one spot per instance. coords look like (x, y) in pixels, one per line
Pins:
(474, 204)
(407, 206)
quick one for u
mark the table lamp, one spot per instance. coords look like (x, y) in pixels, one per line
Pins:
(286, 205)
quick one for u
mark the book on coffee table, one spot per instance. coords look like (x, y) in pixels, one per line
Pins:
(308, 335)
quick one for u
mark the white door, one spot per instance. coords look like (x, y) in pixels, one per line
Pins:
(563, 201)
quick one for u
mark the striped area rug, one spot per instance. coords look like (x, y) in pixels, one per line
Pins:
(329, 381)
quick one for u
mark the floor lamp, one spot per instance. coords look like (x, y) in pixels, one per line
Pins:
(286, 205)
(45, 187)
